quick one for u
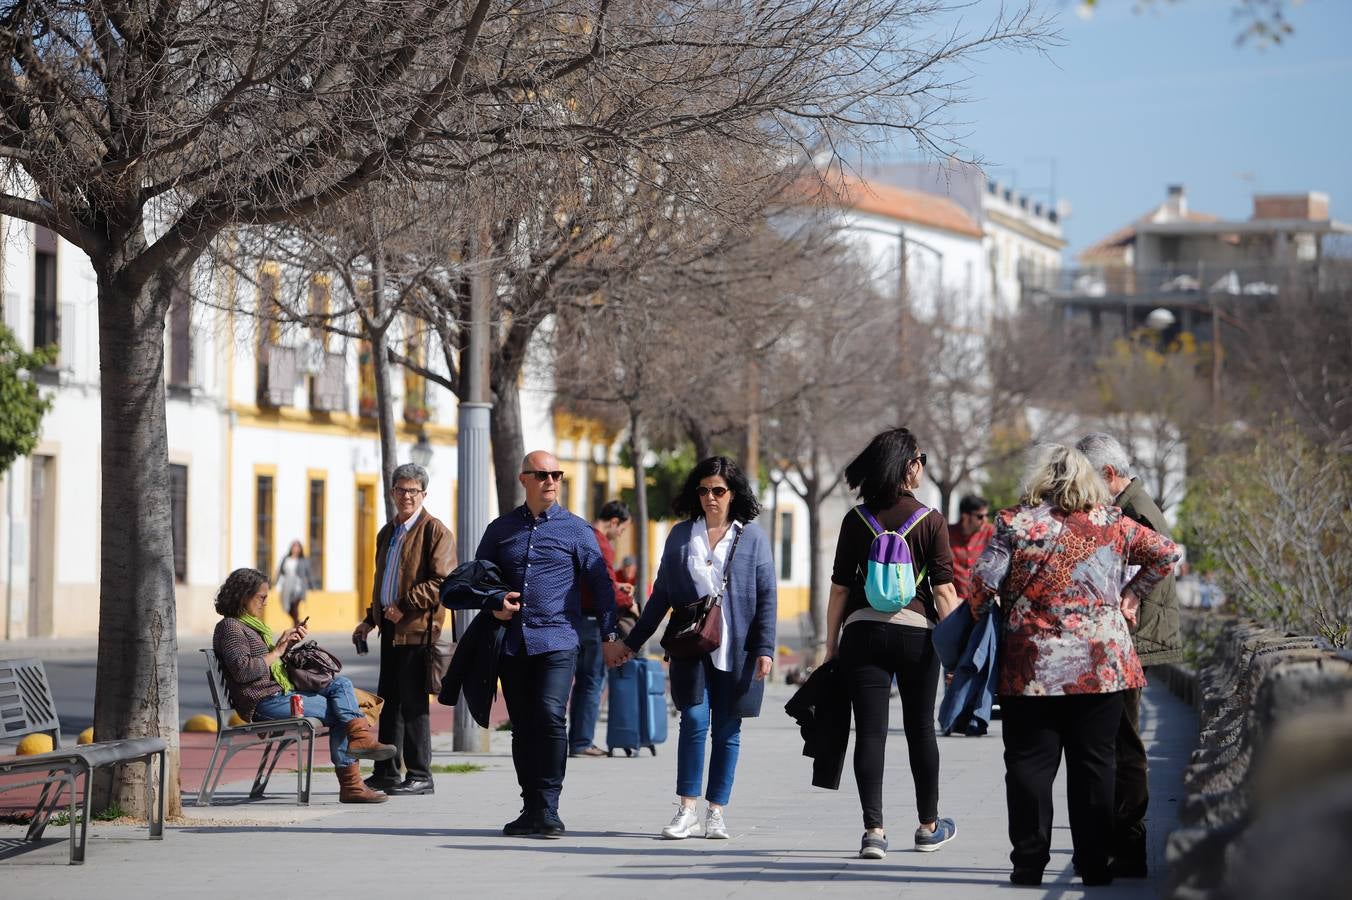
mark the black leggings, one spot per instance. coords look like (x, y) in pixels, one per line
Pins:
(871, 653)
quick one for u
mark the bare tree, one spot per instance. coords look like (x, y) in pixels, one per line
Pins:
(140, 132)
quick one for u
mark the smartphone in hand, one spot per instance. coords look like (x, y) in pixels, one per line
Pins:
(362, 647)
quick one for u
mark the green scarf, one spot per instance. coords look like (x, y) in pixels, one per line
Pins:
(278, 670)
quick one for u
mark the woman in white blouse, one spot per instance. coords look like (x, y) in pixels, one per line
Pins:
(716, 541)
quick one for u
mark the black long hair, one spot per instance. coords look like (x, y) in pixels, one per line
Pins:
(744, 506)
(878, 473)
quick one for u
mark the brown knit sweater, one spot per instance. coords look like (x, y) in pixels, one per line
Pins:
(248, 678)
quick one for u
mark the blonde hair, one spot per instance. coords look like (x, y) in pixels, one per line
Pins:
(1063, 477)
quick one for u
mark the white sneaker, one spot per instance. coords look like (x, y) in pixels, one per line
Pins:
(714, 826)
(683, 824)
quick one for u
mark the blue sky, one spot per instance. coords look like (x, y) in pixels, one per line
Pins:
(1135, 101)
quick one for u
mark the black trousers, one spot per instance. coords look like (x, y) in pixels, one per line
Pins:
(1131, 793)
(536, 689)
(871, 653)
(404, 720)
(1037, 730)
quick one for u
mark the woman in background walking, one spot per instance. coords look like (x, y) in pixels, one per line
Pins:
(293, 580)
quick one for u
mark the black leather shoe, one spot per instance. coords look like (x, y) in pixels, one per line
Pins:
(527, 823)
(411, 786)
(1025, 876)
(551, 826)
(1096, 877)
(382, 782)
(1128, 867)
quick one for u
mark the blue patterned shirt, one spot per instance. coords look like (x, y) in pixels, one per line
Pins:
(390, 584)
(547, 559)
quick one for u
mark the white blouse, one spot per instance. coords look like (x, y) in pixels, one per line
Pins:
(706, 568)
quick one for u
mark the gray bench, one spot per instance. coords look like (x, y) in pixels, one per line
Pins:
(273, 735)
(26, 706)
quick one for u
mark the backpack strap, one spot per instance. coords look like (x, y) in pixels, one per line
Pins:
(914, 520)
(874, 525)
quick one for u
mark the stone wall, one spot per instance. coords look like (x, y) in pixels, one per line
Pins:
(1268, 810)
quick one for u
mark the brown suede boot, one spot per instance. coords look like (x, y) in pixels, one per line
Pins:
(363, 743)
(351, 789)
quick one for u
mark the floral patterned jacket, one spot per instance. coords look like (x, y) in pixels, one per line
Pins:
(1060, 579)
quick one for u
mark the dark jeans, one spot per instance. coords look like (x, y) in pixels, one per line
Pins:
(585, 704)
(1036, 732)
(871, 653)
(1131, 793)
(404, 720)
(536, 691)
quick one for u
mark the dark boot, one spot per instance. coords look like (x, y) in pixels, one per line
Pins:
(351, 789)
(363, 743)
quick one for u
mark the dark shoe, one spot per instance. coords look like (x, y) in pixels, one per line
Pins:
(873, 846)
(1128, 867)
(592, 751)
(352, 790)
(1024, 876)
(527, 823)
(550, 825)
(1096, 877)
(382, 782)
(411, 786)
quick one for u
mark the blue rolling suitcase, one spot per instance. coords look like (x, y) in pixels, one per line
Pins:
(638, 707)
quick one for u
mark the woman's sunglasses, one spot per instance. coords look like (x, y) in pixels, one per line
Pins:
(718, 492)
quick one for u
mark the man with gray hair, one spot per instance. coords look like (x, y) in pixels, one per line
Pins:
(1157, 641)
(414, 553)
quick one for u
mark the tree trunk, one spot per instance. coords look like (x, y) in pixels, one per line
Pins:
(509, 444)
(136, 682)
(638, 449)
(389, 450)
(945, 495)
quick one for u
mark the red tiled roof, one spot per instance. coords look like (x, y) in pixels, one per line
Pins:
(1113, 247)
(890, 202)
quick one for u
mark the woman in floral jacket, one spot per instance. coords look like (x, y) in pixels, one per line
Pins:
(1062, 564)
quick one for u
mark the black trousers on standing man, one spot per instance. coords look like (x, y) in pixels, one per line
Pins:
(1037, 730)
(404, 719)
(1132, 792)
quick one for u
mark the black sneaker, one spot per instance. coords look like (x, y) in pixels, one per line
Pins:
(1027, 876)
(527, 823)
(549, 825)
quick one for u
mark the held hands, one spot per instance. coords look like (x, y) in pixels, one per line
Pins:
(510, 606)
(627, 589)
(616, 653)
(763, 664)
(1131, 606)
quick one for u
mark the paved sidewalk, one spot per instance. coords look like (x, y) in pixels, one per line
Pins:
(787, 836)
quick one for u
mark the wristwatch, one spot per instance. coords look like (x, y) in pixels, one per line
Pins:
(611, 638)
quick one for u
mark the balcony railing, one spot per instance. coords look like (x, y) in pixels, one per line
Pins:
(1189, 285)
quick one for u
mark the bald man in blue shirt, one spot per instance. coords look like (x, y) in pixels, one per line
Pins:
(545, 553)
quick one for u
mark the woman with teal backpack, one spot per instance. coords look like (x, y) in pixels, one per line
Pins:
(891, 582)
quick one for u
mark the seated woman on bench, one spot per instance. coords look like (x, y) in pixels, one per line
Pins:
(251, 662)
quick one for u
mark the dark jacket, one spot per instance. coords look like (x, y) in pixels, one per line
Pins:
(426, 556)
(969, 650)
(476, 584)
(751, 603)
(822, 709)
(1156, 635)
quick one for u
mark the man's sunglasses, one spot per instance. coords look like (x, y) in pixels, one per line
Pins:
(542, 475)
(718, 492)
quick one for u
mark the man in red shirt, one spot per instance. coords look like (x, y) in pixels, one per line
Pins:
(585, 704)
(967, 538)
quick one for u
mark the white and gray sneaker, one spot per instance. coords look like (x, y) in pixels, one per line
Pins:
(683, 824)
(714, 826)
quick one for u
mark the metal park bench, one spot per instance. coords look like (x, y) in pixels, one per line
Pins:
(26, 706)
(273, 735)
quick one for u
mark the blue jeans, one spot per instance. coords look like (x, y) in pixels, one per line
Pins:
(585, 704)
(536, 691)
(716, 710)
(336, 705)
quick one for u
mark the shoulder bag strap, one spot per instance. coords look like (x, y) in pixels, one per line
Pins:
(727, 564)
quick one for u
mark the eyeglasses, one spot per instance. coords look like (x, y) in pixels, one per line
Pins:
(979, 516)
(717, 492)
(541, 475)
(407, 492)
(920, 458)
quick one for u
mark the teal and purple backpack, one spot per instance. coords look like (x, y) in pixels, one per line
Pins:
(890, 580)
